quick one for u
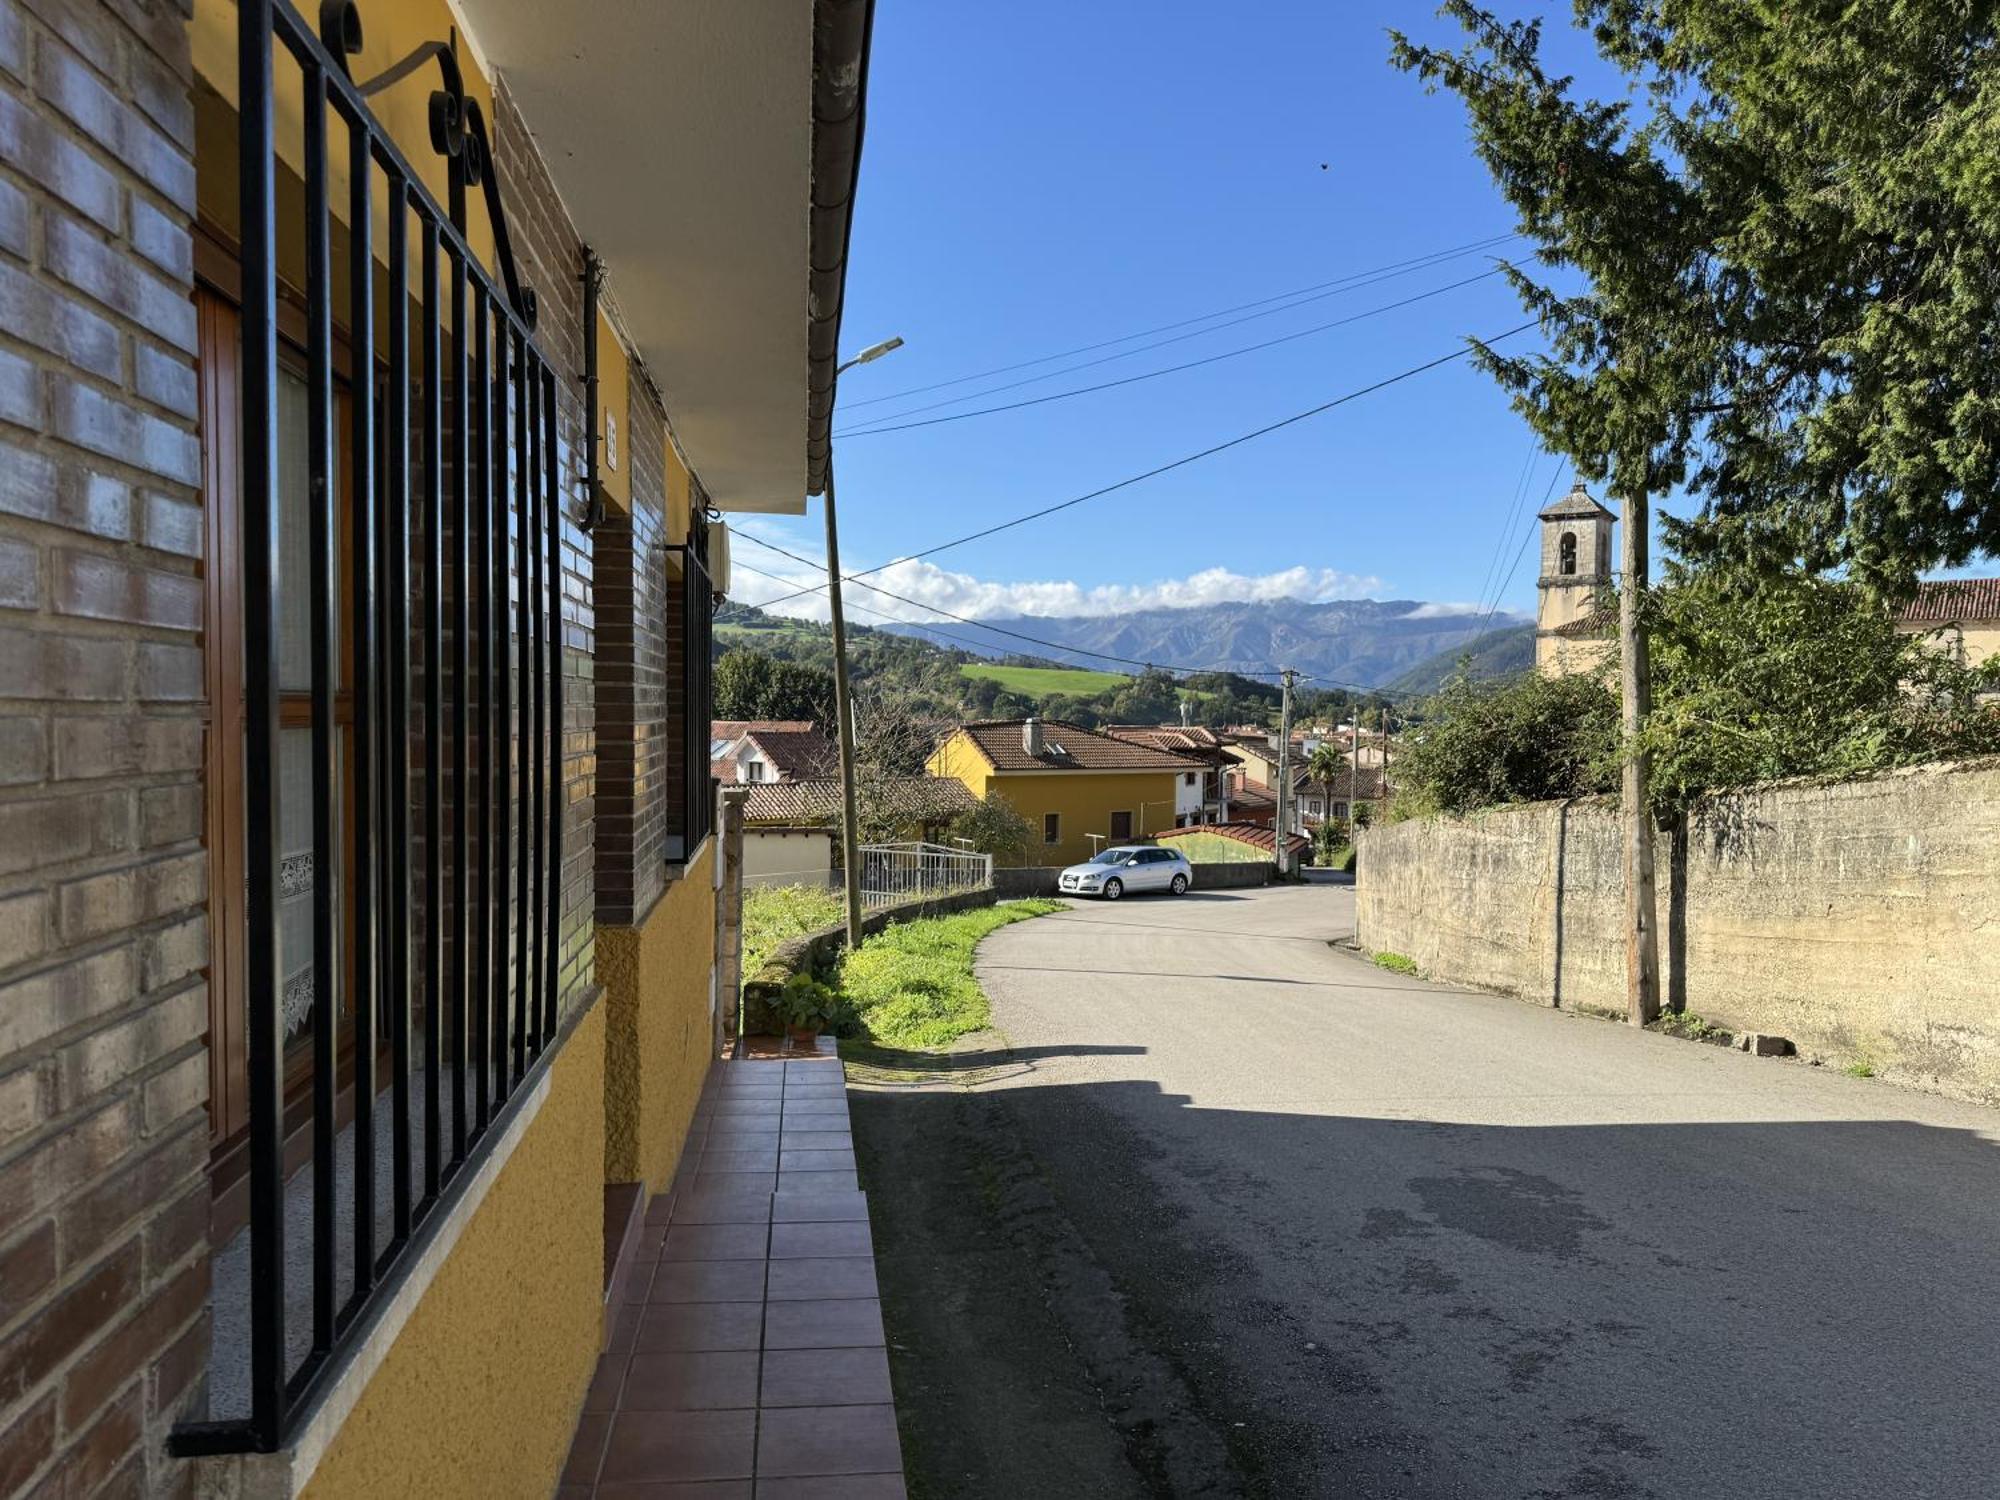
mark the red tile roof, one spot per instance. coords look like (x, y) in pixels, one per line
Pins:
(1953, 601)
(735, 729)
(1193, 741)
(798, 754)
(816, 801)
(1066, 747)
(1599, 622)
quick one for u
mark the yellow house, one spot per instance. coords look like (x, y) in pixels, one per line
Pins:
(1068, 782)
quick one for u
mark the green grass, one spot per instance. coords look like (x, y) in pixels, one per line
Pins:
(1861, 1069)
(1685, 1023)
(772, 913)
(1040, 682)
(1396, 963)
(911, 985)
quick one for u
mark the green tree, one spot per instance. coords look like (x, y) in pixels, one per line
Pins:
(1523, 739)
(750, 685)
(1799, 676)
(1328, 766)
(993, 827)
(1788, 241)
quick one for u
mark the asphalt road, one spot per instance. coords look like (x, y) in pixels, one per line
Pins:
(1227, 1211)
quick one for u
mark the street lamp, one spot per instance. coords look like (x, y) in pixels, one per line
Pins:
(843, 706)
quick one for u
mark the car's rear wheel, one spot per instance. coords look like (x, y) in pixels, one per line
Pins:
(1180, 885)
(1113, 889)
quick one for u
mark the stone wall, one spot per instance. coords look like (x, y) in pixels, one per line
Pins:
(1857, 919)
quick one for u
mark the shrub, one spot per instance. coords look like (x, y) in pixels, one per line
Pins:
(1522, 739)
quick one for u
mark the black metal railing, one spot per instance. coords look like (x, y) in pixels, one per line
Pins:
(432, 528)
(696, 666)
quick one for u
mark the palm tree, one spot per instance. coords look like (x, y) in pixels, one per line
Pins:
(1327, 765)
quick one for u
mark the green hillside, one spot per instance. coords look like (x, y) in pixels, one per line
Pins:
(1497, 653)
(1043, 682)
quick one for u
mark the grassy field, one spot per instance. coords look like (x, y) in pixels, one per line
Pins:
(912, 983)
(1037, 682)
(772, 913)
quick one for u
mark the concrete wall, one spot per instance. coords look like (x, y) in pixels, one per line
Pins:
(1857, 919)
(770, 853)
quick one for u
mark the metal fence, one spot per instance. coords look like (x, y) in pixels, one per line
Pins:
(892, 873)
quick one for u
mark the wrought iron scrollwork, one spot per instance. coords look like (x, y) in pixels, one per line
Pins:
(457, 128)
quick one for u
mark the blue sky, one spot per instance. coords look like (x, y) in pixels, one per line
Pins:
(1040, 176)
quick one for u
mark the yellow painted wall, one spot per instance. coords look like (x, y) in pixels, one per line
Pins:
(658, 1032)
(389, 33)
(480, 1394)
(1084, 800)
(1975, 642)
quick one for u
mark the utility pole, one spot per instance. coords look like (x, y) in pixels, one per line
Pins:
(1642, 949)
(843, 709)
(843, 704)
(1353, 768)
(1284, 771)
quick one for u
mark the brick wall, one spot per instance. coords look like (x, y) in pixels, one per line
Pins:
(103, 1074)
(631, 681)
(550, 257)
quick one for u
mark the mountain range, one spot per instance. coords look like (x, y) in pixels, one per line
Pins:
(1366, 643)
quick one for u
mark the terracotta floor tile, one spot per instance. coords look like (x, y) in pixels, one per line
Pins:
(740, 1111)
(715, 1242)
(691, 1380)
(734, 1182)
(810, 1240)
(850, 1323)
(680, 1445)
(586, 1449)
(744, 1203)
(636, 1280)
(824, 1205)
(670, 1327)
(624, 1324)
(824, 1377)
(660, 1208)
(816, 1159)
(753, 1138)
(603, 1392)
(825, 1440)
(826, 1487)
(817, 1182)
(742, 1159)
(708, 1281)
(712, 1489)
(819, 1278)
(808, 1137)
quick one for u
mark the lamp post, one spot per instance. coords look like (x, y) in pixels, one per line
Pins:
(843, 703)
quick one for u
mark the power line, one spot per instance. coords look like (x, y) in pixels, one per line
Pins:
(1085, 390)
(1420, 262)
(1509, 520)
(1267, 670)
(1166, 468)
(1507, 583)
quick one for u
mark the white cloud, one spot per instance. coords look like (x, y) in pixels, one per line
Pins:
(1443, 610)
(985, 599)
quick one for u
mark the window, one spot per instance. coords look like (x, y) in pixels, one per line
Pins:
(1121, 825)
(1052, 828)
(1188, 780)
(1566, 554)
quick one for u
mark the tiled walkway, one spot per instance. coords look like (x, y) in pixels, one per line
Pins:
(746, 1355)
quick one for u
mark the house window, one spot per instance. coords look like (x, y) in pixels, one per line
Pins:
(383, 648)
(1052, 828)
(1121, 825)
(1566, 554)
(1188, 780)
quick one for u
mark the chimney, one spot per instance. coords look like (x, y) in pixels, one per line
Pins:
(1031, 736)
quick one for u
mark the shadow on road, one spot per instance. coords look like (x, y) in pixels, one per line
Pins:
(1098, 1290)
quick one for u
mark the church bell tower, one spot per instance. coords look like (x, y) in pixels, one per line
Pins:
(1576, 565)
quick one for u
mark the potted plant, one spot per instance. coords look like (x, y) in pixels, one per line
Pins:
(807, 1007)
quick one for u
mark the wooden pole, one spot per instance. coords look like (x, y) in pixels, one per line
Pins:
(1642, 951)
